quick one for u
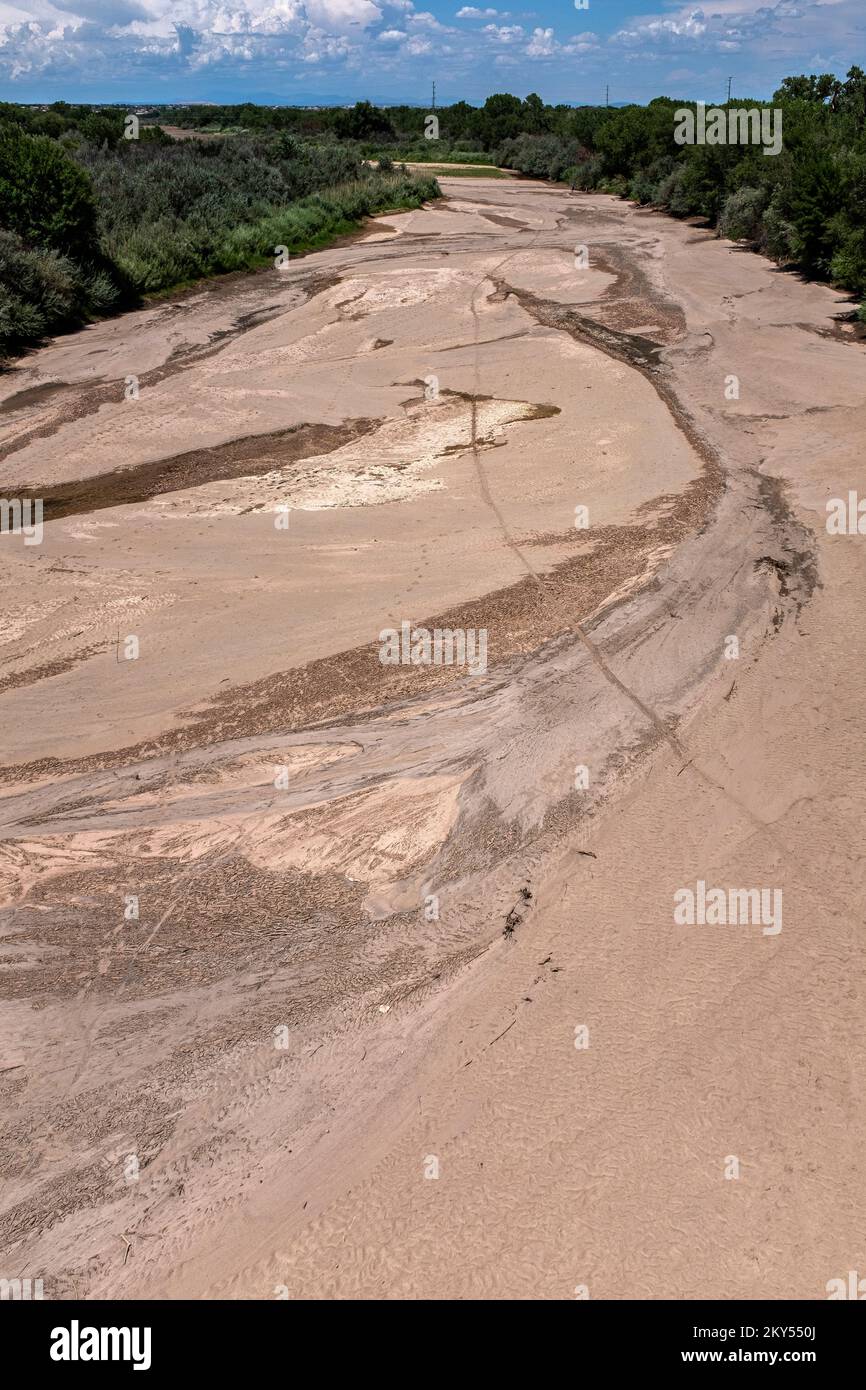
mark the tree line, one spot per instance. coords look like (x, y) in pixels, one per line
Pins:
(805, 207)
(91, 221)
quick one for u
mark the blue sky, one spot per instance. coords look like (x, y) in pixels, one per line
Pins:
(391, 50)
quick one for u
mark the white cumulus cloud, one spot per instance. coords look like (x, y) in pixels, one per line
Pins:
(542, 44)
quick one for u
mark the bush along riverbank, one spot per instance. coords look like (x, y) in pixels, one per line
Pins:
(803, 203)
(93, 222)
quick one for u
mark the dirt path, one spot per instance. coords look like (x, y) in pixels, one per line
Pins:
(299, 948)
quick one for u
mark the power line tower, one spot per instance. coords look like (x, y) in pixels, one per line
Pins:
(434, 96)
(730, 80)
(607, 95)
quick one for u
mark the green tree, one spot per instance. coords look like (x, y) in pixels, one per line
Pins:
(500, 118)
(851, 97)
(535, 117)
(363, 121)
(456, 121)
(812, 202)
(635, 136)
(802, 88)
(46, 198)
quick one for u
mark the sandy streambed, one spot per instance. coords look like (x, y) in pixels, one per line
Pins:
(268, 904)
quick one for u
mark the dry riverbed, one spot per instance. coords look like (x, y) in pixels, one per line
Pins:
(342, 978)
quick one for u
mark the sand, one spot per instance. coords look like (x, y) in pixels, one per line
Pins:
(329, 978)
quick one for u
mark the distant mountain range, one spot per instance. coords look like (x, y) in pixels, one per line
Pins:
(262, 99)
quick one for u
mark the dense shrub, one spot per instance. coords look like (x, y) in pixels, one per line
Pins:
(806, 204)
(672, 192)
(741, 214)
(41, 291)
(180, 214)
(93, 226)
(777, 233)
(642, 188)
(44, 196)
(588, 173)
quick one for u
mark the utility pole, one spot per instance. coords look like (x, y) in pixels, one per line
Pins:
(730, 80)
